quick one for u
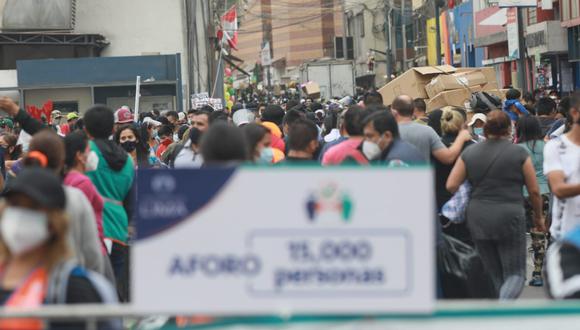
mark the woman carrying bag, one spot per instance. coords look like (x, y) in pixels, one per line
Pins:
(497, 170)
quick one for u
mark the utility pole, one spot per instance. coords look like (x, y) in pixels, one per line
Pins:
(389, 56)
(522, 54)
(344, 29)
(438, 4)
(404, 34)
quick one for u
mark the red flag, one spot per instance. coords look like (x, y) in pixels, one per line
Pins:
(230, 27)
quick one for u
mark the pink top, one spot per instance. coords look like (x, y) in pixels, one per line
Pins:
(83, 183)
(343, 151)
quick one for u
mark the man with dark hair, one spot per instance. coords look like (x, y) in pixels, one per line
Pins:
(546, 109)
(351, 129)
(200, 120)
(420, 111)
(113, 178)
(273, 113)
(173, 117)
(224, 143)
(512, 105)
(187, 155)
(302, 141)
(290, 117)
(423, 137)
(373, 97)
(382, 141)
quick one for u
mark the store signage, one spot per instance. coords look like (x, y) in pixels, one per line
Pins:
(513, 34)
(305, 240)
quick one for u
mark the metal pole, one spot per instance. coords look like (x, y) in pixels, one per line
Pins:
(388, 55)
(522, 83)
(137, 97)
(438, 31)
(344, 29)
(404, 34)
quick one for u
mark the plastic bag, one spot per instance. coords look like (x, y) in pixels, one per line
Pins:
(461, 272)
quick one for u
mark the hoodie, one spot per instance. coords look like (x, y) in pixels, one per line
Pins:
(113, 178)
(508, 109)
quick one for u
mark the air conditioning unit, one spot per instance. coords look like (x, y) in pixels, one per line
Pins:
(38, 15)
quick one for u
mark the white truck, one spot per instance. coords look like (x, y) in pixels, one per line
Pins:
(335, 77)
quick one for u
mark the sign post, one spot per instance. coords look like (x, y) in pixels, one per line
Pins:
(137, 98)
(321, 245)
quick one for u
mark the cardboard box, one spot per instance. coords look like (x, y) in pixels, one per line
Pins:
(413, 82)
(443, 83)
(455, 98)
(488, 71)
(312, 90)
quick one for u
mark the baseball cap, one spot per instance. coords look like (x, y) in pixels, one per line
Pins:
(56, 114)
(478, 116)
(6, 122)
(72, 115)
(123, 115)
(181, 116)
(243, 117)
(151, 121)
(41, 185)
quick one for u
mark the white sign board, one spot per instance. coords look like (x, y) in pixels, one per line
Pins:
(518, 3)
(305, 240)
(266, 57)
(512, 34)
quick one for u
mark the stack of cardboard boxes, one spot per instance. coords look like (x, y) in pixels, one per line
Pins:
(442, 85)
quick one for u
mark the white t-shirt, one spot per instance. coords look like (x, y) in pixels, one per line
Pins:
(561, 154)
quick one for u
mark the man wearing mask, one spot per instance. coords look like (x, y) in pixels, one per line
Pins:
(113, 178)
(352, 129)
(188, 155)
(382, 141)
(423, 137)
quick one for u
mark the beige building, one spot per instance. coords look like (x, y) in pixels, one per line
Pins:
(298, 30)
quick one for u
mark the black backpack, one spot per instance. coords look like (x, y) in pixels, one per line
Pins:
(482, 102)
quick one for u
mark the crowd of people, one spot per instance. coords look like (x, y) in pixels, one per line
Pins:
(68, 181)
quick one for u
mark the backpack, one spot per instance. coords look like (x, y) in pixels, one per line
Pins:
(58, 285)
(170, 159)
(482, 102)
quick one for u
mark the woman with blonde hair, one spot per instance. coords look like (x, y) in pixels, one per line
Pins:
(452, 122)
(34, 251)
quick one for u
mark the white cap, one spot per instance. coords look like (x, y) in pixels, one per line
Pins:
(151, 121)
(478, 116)
(243, 116)
(181, 116)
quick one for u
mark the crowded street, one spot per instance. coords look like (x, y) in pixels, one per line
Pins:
(297, 164)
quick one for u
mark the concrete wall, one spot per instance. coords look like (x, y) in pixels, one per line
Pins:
(38, 97)
(136, 27)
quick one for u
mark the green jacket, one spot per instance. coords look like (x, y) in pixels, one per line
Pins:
(113, 178)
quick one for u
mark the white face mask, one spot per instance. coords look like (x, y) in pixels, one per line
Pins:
(23, 229)
(371, 150)
(92, 162)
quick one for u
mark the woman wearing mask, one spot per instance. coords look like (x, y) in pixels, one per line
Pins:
(452, 122)
(530, 137)
(129, 139)
(476, 126)
(497, 170)
(35, 255)
(78, 161)
(259, 143)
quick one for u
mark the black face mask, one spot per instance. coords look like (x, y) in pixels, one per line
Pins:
(129, 146)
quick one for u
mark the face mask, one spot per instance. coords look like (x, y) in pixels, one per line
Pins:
(155, 133)
(371, 150)
(266, 156)
(129, 146)
(478, 131)
(92, 162)
(23, 229)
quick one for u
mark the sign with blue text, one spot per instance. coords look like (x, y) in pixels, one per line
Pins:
(298, 240)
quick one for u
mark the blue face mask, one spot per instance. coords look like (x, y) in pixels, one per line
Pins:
(266, 156)
(478, 131)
